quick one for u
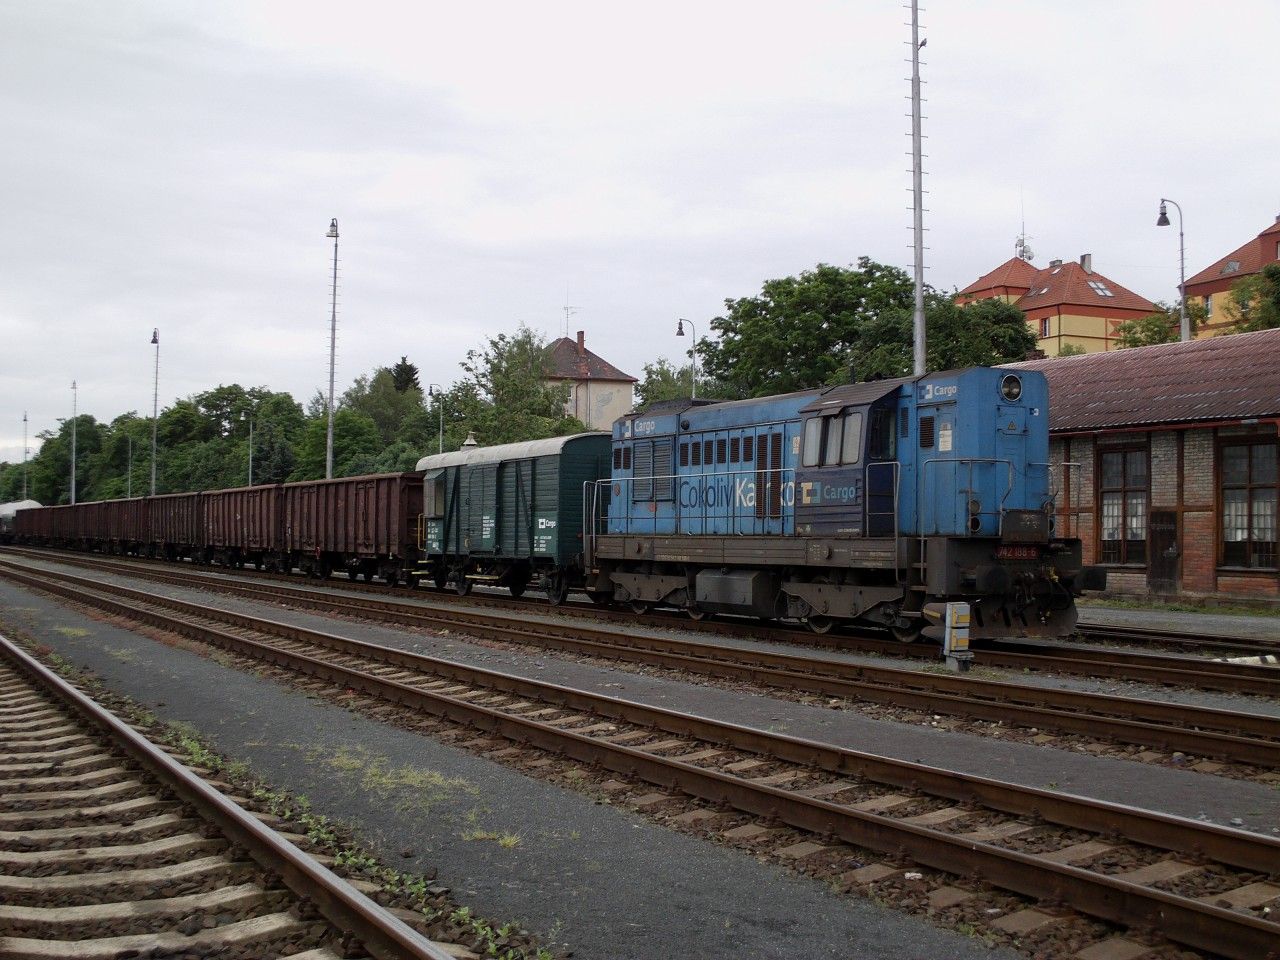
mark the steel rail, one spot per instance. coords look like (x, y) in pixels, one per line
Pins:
(1192, 922)
(1242, 737)
(382, 934)
(1162, 636)
(1031, 656)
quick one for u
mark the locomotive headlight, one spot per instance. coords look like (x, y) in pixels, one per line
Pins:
(1011, 387)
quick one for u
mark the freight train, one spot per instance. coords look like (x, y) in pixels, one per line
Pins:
(874, 503)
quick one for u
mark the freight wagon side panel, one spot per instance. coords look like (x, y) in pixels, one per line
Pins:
(582, 461)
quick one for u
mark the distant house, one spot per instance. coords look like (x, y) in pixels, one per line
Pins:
(599, 393)
(1212, 285)
(1064, 303)
(1165, 461)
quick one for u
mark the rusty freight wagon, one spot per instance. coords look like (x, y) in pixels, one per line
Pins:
(242, 526)
(175, 526)
(121, 525)
(365, 526)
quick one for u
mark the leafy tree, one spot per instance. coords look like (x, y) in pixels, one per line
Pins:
(405, 376)
(665, 381)
(1256, 300)
(831, 324)
(1163, 326)
(379, 399)
(507, 394)
(1072, 350)
(356, 446)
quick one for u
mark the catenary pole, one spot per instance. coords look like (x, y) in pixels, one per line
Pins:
(333, 344)
(917, 193)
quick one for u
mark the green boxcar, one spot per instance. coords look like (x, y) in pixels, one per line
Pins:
(509, 515)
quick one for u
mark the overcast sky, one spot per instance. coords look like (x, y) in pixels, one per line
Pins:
(175, 165)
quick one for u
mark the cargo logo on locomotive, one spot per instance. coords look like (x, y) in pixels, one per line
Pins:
(813, 492)
(939, 391)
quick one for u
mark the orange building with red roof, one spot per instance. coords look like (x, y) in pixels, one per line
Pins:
(1213, 284)
(1065, 303)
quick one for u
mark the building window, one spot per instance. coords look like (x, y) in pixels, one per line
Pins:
(1249, 505)
(1044, 329)
(1208, 306)
(1124, 486)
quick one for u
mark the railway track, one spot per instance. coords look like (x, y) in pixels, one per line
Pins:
(110, 848)
(1228, 735)
(1161, 637)
(1200, 885)
(1029, 656)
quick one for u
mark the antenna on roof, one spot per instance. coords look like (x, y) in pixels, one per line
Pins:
(568, 310)
(1021, 249)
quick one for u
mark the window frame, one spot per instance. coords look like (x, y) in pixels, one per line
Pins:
(1248, 486)
(1127, 488)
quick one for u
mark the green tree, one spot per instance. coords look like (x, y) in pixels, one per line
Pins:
(1256, 300)
(379, 399)
(507, 395)
(1163, 326)
(831, 324)
(356, 446)
(405, 376)
(1072, 350)
(665, 381)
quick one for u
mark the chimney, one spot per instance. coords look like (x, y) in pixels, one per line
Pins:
(1055, 263)
(1086, 261)
(582, 349)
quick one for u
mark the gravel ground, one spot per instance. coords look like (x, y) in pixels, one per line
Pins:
(1167, 789)
(595, 879)
(1233, 625)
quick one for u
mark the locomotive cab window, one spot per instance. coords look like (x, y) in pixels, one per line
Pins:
(852, 445)
(812, 442)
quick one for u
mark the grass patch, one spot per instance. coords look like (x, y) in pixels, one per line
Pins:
(73, 633)
(414, 788)
(1208, 606)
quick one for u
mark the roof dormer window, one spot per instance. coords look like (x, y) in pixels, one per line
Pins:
(1100, 288)
(1231, 266)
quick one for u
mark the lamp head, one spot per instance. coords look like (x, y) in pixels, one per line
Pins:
(1163, 219)
(155, 336)
(333, 229)
(680, 327)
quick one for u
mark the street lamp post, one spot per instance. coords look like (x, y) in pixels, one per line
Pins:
(333, 342)
(693, 366)
(155, 406)
(128, 472)
(1163, 221)
(74, 398)
(249, 416)
(24, 454)
(431, 392)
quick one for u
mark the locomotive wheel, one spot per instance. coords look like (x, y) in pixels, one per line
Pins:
(820, 624)
(907, 634)
(697, 615)
(640, 606)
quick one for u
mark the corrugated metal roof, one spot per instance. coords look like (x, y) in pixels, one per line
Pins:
(1233, 377)
(855, 394)
(503, 451)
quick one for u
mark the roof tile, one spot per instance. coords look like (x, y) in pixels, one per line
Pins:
(1218, 378)
(570, 363)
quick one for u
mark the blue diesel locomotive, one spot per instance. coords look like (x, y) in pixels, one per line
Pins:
(876, 502)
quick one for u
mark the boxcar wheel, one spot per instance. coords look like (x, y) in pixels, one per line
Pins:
(557, 589)
(697, 615)
(517, 587)
(441, 580)
(640, 606)
(820, 624)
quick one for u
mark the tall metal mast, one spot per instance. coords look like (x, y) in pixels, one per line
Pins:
(333, 345)
(24, 454)
(917, 193)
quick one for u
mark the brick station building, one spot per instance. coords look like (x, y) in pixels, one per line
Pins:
(1165, 463)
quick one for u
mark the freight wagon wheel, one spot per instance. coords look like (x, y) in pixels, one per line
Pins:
(697, 615)
(820, 624)
(462, 585)
(641, 606)
(440, 579)
(517, 587)
(557, 589)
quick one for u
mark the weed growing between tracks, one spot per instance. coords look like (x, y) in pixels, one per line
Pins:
(416, 898)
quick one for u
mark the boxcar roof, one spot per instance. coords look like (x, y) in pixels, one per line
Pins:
(503, 451)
